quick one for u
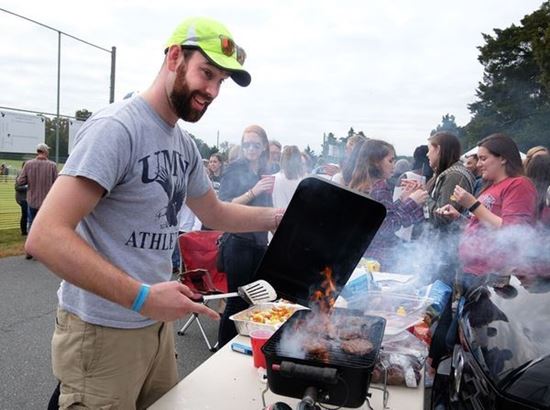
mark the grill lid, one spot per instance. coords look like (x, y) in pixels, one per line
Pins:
(325, 225)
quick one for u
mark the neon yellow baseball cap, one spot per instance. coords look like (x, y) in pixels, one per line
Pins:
(216, 43)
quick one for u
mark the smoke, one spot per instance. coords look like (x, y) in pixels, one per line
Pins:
(518, 249)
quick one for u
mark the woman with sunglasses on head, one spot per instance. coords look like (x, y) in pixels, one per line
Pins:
(240, 253)
(375, 164)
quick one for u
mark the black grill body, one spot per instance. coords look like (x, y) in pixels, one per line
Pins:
(353, 371)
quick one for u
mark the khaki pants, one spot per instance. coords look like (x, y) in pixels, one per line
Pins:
(106, 368)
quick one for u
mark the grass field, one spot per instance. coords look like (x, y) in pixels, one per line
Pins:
(12, 242)
(14, 165)
(9, 210)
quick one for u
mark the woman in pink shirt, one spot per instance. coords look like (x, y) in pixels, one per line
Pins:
(487, 246)
(508, 198)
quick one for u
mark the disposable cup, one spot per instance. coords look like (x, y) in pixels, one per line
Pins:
(258, 338)
(271, 179)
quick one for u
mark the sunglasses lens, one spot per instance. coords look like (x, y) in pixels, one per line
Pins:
(254, 145)
(228, 46)
(241, 55)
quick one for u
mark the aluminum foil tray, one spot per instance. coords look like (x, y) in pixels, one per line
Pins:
(245, 324)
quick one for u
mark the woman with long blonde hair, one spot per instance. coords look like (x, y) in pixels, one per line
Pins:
(374, 166)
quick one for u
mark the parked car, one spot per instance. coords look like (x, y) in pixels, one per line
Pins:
(502, 358)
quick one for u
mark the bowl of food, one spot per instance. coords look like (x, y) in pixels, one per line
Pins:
(264, 316)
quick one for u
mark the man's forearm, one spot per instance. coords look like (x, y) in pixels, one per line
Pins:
(71, 258)
(232, 217)
(241, 218)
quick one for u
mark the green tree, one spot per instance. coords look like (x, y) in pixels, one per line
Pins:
(514, 95)
(63, 136)
(448, 124)
(311, 154)
(204, 149)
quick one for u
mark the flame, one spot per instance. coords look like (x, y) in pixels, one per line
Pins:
(324, 297)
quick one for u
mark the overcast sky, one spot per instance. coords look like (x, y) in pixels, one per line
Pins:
(389, 68)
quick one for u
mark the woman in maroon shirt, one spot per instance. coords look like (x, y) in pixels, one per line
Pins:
(508, 198)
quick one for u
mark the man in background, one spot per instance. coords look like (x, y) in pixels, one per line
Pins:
(38, 175)
(471, 165)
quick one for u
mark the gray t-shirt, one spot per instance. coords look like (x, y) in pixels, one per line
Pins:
(147, 168)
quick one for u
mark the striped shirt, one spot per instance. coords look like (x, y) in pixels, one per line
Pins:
(39, 174)
(398, 213)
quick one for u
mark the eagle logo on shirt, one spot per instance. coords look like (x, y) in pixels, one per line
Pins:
(167, 168)
(175, 193)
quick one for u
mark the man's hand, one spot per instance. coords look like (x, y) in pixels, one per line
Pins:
(169, 301)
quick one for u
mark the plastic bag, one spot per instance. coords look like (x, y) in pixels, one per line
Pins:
(358, 284)
(403, 356)
(400, 311)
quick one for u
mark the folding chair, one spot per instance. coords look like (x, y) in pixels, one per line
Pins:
(199, 250)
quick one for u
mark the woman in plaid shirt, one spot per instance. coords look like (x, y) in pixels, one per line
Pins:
(374, 166)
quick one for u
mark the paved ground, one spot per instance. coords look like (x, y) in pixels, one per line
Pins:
(27, 312)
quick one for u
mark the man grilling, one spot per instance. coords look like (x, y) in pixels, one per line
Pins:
(109, 225)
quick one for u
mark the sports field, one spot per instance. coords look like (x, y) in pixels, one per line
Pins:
(9, 210)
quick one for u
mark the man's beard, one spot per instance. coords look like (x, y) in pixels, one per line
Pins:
(181, 98)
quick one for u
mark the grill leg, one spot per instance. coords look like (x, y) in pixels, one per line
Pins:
(193, 317)
(210, 347)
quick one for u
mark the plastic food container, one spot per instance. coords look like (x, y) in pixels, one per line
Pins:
(244, 320)
(400, 311)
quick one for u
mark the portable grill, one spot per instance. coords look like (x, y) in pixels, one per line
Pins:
(342, 379)
(324, 226)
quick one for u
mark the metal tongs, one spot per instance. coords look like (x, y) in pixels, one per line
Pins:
(256, 292)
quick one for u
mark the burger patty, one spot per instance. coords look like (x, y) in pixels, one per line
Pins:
(359, 347)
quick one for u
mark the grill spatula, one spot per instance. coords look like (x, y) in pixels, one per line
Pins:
(256, 292)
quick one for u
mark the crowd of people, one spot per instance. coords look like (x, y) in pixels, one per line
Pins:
(450, 203)
(135, 181)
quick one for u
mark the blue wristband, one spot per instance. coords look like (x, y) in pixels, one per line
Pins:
(141, 297)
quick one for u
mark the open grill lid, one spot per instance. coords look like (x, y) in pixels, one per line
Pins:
(325, 225)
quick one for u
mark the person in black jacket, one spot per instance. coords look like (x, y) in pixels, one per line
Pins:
(241, 253)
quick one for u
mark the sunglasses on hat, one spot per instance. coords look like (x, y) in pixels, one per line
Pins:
(229, 47)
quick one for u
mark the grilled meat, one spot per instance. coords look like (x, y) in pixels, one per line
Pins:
(359, 347)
